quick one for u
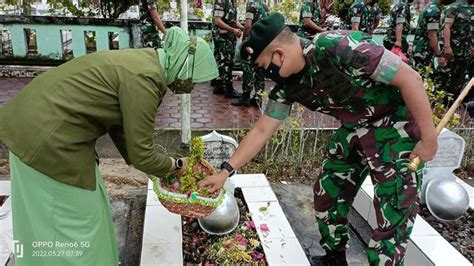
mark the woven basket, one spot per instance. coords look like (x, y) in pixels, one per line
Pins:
(193, 206)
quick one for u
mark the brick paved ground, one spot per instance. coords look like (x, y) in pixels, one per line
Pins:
(208, 110)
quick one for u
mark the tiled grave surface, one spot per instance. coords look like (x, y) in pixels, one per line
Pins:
(426, 246)
(162, 243)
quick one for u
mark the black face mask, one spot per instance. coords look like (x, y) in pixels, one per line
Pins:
(273, 72)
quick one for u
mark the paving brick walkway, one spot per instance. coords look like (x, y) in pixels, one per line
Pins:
(208, 111)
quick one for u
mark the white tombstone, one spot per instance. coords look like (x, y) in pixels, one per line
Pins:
(218, 148)
(448, 158)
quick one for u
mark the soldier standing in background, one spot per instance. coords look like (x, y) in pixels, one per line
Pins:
(399, 26)
(149, 21)
(426, 44)
(357, 18)
(310, 19)
(458, 37)
(225, 31)
(253, 76)
(375, 13)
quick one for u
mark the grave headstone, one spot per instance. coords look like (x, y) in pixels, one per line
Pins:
(218, 148)
(448, 158)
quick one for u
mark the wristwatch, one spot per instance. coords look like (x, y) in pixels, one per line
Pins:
(178, 163)
(228, 168)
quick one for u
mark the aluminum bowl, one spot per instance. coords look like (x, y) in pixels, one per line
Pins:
(447, 200)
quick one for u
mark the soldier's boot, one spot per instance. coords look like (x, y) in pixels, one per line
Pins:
(218, 87)
(230, 92)
(332, 258)
(243, 101)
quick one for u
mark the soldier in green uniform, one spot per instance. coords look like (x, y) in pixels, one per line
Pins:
(51, 128)
(225, 31)
(375, 13)
(253, 76)
(149, 22)
(358, 16)
(386, 120)
(426, 44)
(310, 19)
(399, 26)
(458, 38)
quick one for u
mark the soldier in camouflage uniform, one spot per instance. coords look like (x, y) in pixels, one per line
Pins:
(358, 16)
(225, 30)
(253, 76)
(310, 19)
(399, 22)
(426, 44)
(386, 120)
(149, 21)
(458, 37)
(375, 13)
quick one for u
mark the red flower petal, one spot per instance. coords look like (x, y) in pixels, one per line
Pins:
(264, 228)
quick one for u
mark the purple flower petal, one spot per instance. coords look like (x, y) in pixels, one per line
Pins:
(264, 228)
(175, 186)
(257, 255)
(250, 225)
(188, 194)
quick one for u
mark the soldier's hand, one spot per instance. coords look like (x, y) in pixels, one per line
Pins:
(237, 32)
(425, 149)
(442, 61)
(448, 53)
(214, 182)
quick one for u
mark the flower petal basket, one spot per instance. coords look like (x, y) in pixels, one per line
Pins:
(189, 204)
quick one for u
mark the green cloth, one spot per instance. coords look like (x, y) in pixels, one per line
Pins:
(53, 123)
(73, 224)
(175, 53)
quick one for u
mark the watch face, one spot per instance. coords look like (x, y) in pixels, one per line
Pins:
(179, 163)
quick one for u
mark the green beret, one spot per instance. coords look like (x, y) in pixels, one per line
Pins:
(262, 34)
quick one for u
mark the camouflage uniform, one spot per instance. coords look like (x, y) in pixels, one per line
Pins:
(149, 33)
(453, 76)
(309, 9)
(375, 13)
(359, 13)
(347, 76)
(224, 41)
(400, 14)
(253, 76)
(428, 20)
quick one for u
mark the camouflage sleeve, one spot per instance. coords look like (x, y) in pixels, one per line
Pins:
(378, 12)
(151, 4)
(278, 106)
(250, 11)
(401, 14)
(449, 15)
(219, 8)
(355, 13)
(387, 67)
(432, 19)
(306, 11)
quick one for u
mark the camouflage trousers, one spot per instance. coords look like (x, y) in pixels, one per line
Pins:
(224, 50)
(150, 36)
(253, 77)
(454, 76)
(380, 150)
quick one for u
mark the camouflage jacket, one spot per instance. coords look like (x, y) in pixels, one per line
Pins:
(358, 13)
(347, 75)
(375, 13)
(309, 9)
(399, 14)
(227, 10)
(461, 16)
(256, 10)
(428, 20)
(145, 6)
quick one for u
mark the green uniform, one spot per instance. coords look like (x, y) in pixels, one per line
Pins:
(427, 21)
(149, 33)
(310, 9)
(399, 14)
(375, 14)
(456, 73)
(347, 76)
(253, 76)
(224, 41)
(359, 13)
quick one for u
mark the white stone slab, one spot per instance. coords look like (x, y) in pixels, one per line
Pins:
(414, 256)
(150, 184)
(469, 190)
(362, 204)
(161, 226)
(274, 218)
(259, 194)
(152, 199)
(250, 180)
(162, 254)
(369, 189)
(5, 188)
(422, 228)
(284, 251)
(439, 251)
(372, 220)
